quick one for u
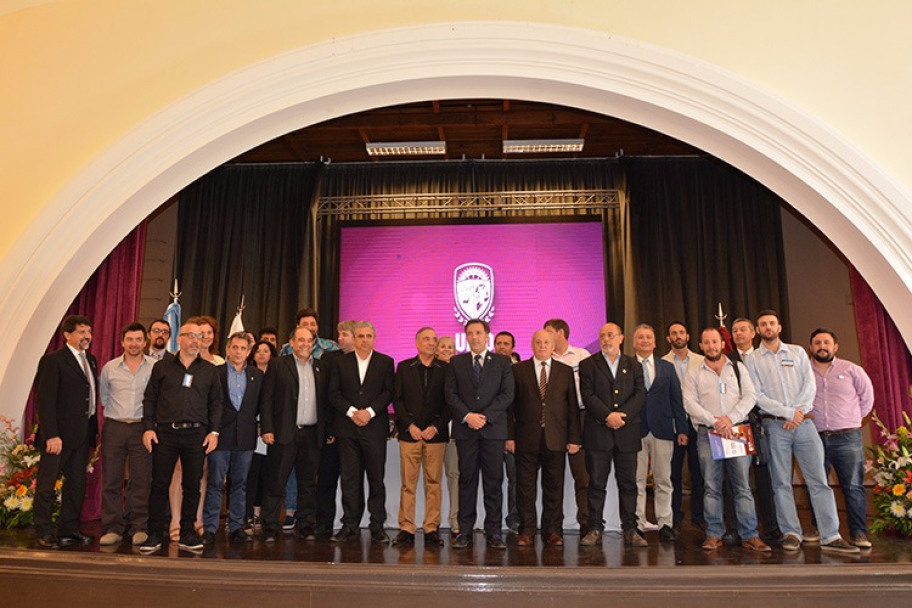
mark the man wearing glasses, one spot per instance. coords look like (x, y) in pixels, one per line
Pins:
(159, 334)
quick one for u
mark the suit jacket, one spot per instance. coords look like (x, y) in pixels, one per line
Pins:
(63, 399)
(238, 428)
(693, 359)
(279, 402)
(562, 420)
(346, 391)
(492, 396)
(663, 415)
(413, 406)
(604, 394)
(329, 359)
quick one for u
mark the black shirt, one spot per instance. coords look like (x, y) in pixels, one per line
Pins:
(168, 400)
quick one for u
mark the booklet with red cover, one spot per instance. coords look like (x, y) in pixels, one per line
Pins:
(741, 443)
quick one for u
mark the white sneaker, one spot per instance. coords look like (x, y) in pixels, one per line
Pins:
(648, 526)
(110, 539)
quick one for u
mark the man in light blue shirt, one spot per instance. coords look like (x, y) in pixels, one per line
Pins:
(785, 394)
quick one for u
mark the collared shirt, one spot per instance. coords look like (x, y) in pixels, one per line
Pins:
(538, 367)
(612, 366)
(322, 345)
(651, 373)
(844, 397)
(121, 391)
(363, 364)
(158, 355)
(746, 353)
(237, 385)
(307, 393)
(572, 357)
(708, 394)
(681, 365)
(183, 394)
(83, 361)
(483, 354)
(783, 380)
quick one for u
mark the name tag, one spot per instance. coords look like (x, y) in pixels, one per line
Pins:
(788, 363)
(188, 381)
(723, 388)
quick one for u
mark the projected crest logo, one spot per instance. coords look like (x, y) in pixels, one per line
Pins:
(473, 285)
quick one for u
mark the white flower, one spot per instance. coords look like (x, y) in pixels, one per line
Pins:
(11, 502)
(900, 462)
(26, 503)
(31, 460)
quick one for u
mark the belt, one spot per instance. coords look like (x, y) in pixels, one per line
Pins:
(125, 420)
(840, 432)
(185, 425)
(771, 417)
(306, 426)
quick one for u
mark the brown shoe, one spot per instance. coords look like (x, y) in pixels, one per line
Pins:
(525, 540)
(712, 543)
(555, 540)
(592, 538)
(632, 538)
(755, 544)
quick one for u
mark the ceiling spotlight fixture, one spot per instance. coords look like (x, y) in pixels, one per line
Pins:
(539, 146)
(406, 148)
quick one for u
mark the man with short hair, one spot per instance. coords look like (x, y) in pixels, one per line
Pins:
(271, 335)
(361, 388)
(120, 390)
(479, 390)
(67, 425)
(182, 412)
(662, 422)
(422, 418)
(685, 360)
(786, 389)
(545, 425)
(308, 317)
(614, 394)
(718, 396)
(504, 344)
(572, 356)
(159, 335)
(743, 334)
(241, 386)
(844, 397)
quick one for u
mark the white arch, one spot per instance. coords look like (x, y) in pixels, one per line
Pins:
(851, 200)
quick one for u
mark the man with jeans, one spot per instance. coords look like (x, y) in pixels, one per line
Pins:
(718, 396)
(844, 397)
(785, 393)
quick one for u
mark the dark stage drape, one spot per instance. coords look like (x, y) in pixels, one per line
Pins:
(703, 233)
(243, 230)
(110, 299)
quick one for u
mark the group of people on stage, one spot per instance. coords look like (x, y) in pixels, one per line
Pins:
(321, 408)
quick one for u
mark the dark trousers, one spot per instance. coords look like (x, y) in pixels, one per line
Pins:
(551, 464)
(580, 475)
(256, 484)
(513, 515)
(599, 462)
(122, 445)
(174, 444)
(484, 457)
(71, 462)
(696, 479)
(360, 455)
(327, 484)
(302, 455)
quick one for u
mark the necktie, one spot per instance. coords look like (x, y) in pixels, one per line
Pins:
(647, 377)
(84, 361)
(542, 387)
(477, 369)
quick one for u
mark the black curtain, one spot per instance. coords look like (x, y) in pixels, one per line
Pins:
(243, 229)
(703, 233)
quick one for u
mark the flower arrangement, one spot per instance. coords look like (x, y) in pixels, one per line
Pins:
(892, 466)
(18, 475)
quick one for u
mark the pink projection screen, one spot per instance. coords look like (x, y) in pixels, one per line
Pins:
(514, 275)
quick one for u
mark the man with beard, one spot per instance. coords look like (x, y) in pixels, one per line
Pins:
(504, 344)
(844, 397)
(159, 334)
(785, 393)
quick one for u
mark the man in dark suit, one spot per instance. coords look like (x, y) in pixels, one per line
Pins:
(479, 390)
(662, 423)
(293, 425)
(361, 388)
(422, 418)
(67, 426)
(546, 425)
(613, 392)
(241, 386)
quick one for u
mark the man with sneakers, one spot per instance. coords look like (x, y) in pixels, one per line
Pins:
(786, 389)
(182, 412)
(718, 395)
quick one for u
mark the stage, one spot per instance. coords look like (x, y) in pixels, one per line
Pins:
(322, 573)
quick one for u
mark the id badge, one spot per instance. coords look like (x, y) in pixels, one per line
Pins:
(188, 381)
(788, 363)
(723, 388)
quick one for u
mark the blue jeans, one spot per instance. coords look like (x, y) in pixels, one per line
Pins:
(845, 453)
(804, 444)
(220, 463)
(737, 471)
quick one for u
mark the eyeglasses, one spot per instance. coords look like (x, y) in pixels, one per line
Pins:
(158, 330)
(192, 335)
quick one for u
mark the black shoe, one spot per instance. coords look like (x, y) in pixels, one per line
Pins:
(270, 536)
(47, 541)
(462, 541)
(345, 535)
(513, 526)
(323, 533)
(74, 540)
(306, 533)
(191, 542)
(433, 539)
(495, 541)
(380, 537)
(208, 538)
(239, 536)
(667, 535)
(405, 538)
(289, 523)
(152, 544)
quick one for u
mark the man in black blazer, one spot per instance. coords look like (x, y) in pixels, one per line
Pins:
(293, 425)
(361, 388)
(241, 386)
(479, 390)
(613, 393)
(67, 425)
(662, 424)
(421, 415)
(546, 425)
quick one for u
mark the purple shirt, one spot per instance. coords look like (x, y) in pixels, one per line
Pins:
(844, 396)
